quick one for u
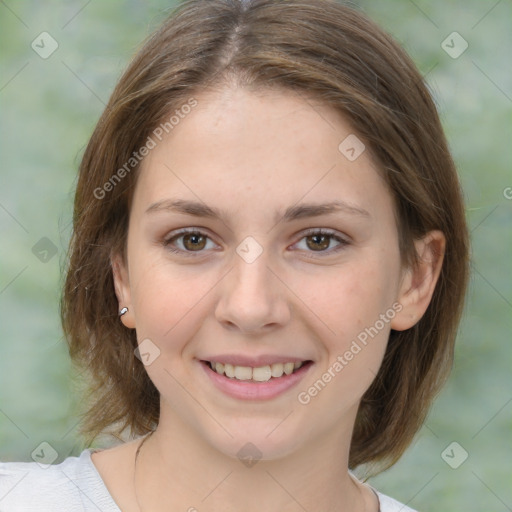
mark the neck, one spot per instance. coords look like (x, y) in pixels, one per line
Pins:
(177, 468)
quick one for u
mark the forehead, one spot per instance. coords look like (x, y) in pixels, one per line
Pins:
(254, 151)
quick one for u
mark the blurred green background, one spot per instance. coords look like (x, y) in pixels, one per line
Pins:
(49, 108)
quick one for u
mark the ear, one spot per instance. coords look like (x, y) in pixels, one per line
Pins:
(418, 282)
(122, 288)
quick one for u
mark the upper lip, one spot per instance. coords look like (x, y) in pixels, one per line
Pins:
(253, 361)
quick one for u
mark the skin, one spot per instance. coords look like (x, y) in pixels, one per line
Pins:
(253, 154)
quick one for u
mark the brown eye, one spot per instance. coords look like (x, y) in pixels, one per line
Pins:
(319, 242)
(194, 241)
(188, 243)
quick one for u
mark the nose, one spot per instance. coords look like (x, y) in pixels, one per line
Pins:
(253, 299)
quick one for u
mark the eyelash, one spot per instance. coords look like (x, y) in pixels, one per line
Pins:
(311, 232)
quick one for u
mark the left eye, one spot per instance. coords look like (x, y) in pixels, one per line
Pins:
(320, 240)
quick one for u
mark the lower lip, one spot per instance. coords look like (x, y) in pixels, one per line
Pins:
(250, 390)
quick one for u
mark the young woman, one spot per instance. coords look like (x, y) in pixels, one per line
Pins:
(267, 268)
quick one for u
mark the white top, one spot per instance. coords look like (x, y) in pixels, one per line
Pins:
(75, 485)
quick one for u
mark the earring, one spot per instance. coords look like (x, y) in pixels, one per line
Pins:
(123, 311)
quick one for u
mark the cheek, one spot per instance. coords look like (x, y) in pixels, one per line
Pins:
(170, 304)
(168, 300)
(349, 298)
(353, 310)
(350, 362)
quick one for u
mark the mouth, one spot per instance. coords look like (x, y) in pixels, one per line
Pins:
(256, 374)
(262, 382)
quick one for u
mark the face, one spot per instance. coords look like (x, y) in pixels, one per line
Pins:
(290, 255)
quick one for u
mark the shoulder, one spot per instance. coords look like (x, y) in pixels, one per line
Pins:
(388, 504)
(72, 486)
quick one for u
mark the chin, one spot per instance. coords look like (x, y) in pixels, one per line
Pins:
(253, 441)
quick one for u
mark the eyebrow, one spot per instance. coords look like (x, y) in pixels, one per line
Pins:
(300, 211)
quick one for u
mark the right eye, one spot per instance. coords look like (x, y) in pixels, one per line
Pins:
(193, 241)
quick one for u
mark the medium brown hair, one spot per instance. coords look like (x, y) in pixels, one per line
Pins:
(318, 48)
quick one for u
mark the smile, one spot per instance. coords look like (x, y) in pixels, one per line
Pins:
(259, 374)
(255, 382)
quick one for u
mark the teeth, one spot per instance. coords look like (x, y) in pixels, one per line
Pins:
(228, 370)
(277, 370)
(243, 372)
(288, 368)
(259, 374)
